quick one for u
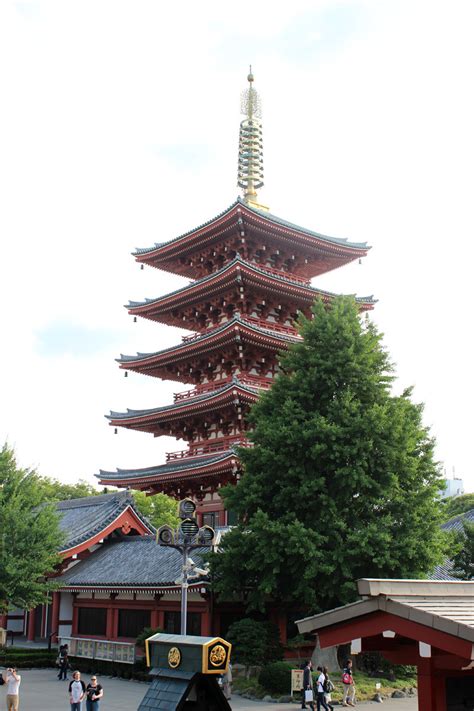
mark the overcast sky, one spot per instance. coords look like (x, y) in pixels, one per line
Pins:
(119, 128)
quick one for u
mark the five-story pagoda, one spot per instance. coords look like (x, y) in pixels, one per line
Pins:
(251, 275)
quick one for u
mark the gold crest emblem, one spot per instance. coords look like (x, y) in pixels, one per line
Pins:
(174, 657)
(217, 655)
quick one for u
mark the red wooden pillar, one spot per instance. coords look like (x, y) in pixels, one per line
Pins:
(281, 622)
(55, 616)
(206, 623)
(109, 630)
(161, 619)
(31, 625)
(426, 687)
(155, 619)
(3, 621)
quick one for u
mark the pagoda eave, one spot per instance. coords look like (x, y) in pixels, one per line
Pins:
(158, 420)
(166, 478)
(175, 363)
(240, 218)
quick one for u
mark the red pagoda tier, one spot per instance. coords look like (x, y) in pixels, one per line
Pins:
(251, 276)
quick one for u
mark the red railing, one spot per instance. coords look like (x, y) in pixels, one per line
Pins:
(198, 450)
(285, 275)
(253, 381)
(270, 325)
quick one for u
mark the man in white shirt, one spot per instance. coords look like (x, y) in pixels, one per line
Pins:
(12, 680)
(77, 690)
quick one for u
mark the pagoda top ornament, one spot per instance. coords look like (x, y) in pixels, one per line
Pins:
(250, 165)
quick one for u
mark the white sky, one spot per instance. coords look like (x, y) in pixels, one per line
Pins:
(119, 127)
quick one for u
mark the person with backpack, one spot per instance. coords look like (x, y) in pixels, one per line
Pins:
(328, 688)
(321, 690)
(348, 685)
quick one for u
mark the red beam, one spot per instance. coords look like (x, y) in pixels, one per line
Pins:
(375, 623)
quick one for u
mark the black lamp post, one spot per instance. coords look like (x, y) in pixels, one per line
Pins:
(187, 536)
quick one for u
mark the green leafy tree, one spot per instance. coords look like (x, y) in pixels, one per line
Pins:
(159, 509)
(463, 561)
(254, 642)
(457, 505)
(29, 537)
(55, 490)
(341, 482)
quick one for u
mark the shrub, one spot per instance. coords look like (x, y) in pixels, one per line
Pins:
(144, 634)
(276, 678)
(254, 642)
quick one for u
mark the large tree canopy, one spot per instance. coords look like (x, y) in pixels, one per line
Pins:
(29, 536)
(341, 482)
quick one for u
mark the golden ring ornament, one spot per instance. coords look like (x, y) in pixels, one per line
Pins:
(217, 655)
(174, 657)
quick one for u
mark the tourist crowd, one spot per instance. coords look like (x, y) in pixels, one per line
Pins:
(324, 687)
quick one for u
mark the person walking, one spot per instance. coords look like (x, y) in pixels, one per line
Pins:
(77, 691)
(321, 683)
(308, 684)
(13, 680)
(94, 693)
(328, 688)
(63, 661)
(348, 685)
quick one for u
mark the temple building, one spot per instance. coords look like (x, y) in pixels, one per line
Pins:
(251, 275)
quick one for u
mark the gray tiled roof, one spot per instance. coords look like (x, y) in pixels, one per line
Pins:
(271, 218)
(235, 320)
(444, 571)
(81, 519)
(132, 561)
(261, 272)
(175, 465)
(183, 403)
(455, 524)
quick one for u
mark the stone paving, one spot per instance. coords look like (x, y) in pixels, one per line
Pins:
(40, 690)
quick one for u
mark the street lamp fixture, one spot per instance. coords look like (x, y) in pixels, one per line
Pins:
(185, 538)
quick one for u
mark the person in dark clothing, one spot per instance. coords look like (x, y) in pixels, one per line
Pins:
(63, 662)
(308, 682)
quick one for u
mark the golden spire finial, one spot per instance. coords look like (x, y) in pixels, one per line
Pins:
(250, 171)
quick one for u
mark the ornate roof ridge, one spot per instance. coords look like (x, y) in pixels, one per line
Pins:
(236, 319)
(174, 465)
(92, 500)
(341, 241)
(235, 382)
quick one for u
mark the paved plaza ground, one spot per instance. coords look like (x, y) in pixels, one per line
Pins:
(41, 691)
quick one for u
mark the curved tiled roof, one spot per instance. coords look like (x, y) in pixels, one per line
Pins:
(444, 571)
(82, 519)
(174, 466)
(343, 242)
(184, 403)
(133, 561)
(207, 335)
(455, 524)
(238, 261)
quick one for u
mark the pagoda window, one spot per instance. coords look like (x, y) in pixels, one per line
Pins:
(92, 621)
(132, 622)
